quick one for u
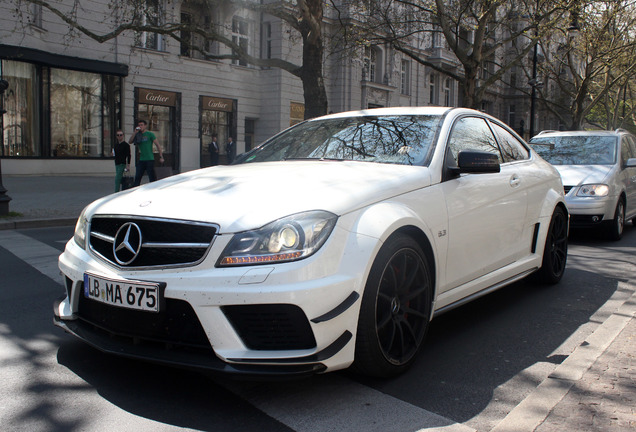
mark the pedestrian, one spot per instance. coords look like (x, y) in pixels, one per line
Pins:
(121, 151)
(144, 140)
(230, 149)
(213, 149)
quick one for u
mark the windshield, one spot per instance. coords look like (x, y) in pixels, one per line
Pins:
(399, 139)
(576, 150)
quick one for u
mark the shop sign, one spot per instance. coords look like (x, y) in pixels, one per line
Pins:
(296, 113)
(217, 104)
(157, 97)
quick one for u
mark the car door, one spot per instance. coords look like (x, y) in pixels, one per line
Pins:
(486, 211)
(628, 150)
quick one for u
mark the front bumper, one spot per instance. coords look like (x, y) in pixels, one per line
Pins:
(195, 359)
(324, 288)
(590, 211)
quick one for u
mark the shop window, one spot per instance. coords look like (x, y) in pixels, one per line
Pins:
(21, 134)
(152, 15)
(75, 113)
(54, 112)
(240, 33)
(217, 119)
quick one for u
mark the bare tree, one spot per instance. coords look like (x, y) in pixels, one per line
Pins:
(303, 16)
(487, 37)
(589, 65)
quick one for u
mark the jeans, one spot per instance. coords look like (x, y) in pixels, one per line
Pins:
(119, 173)
(145, 166)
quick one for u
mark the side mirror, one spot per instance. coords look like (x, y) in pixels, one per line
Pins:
(631, 163)
(469, 161)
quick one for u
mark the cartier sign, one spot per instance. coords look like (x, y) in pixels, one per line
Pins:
(216, 104)
(157, 97)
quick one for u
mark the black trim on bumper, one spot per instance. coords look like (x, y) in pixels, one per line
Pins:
(346, 304)
(328, 352)
(582, 221)
(199, 360)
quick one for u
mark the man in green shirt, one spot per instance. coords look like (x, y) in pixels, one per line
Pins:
(144, 140)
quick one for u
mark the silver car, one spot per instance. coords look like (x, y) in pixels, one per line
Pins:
(598, 170)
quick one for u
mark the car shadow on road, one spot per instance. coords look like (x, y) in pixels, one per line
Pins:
(473, 350)
(177, 397)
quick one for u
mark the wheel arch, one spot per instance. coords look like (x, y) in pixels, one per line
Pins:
(388, 219)
(423, 241)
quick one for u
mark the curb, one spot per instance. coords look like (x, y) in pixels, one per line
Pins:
(37, 223)
(535, 409)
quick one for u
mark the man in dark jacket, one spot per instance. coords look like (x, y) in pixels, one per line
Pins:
(230, 150)
(121, 151)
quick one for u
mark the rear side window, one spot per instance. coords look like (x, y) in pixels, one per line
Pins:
(511, 148)
(472, 133)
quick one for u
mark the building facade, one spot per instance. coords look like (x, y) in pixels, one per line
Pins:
(68, 94)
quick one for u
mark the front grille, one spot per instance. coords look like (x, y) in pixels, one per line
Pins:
(271, 326)
(163, 242)
(567, 189)
(176, 324)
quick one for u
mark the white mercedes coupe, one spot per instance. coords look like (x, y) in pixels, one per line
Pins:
(331, 245)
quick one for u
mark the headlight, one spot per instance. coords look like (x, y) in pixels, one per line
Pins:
(593, 190)
(80, 230)
(288, 239)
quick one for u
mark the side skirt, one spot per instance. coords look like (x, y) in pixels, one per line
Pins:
(483, 292)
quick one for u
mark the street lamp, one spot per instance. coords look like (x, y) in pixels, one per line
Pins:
(4, 198)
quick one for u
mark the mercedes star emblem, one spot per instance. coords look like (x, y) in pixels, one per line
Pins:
(127, 244)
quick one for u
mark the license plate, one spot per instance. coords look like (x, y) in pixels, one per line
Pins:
(138, 295)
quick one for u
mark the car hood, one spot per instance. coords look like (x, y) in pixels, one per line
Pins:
(248, 196)
(574, 175)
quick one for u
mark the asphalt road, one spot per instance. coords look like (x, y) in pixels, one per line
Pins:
(479, 362)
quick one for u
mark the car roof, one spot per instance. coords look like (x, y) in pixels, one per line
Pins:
(430, 110)
(616, 132)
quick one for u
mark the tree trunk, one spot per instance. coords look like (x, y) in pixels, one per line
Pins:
(470, 87)
(310, 26)
(312, 79)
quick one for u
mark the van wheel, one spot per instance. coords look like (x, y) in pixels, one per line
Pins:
(395, 310)
(617, 225)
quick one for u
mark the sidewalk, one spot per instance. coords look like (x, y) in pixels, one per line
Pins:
(594, 389)
(51, 200)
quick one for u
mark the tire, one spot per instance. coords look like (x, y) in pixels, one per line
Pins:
(395, 310)
(555, 253)
(617, 225)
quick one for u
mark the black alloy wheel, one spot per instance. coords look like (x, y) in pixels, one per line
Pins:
(555, 253)
(396, 309)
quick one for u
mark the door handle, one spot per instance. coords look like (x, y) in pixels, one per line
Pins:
(515, 181)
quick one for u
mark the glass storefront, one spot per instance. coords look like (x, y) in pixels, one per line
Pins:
(217, 118)
(21, 133)
(160, 110)
(59, 113)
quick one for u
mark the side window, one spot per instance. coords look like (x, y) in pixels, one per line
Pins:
(626, 150)
(472, 133)
(511, 148)
(631, 146)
